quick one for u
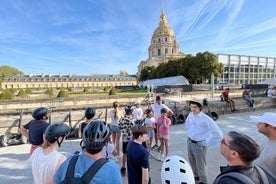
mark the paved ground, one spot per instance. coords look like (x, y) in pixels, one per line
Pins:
(15, 168)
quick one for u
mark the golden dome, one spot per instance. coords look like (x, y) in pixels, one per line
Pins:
(163, 29)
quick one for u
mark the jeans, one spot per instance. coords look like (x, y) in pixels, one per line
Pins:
(250, 101)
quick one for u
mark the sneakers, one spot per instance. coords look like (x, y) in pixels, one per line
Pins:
(154, 147)
(234, 110)
(161, 158)
(123, 171)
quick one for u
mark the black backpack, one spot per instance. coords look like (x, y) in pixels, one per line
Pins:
(243, 178)
(87, 176)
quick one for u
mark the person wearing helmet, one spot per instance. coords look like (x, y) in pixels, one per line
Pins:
(137, 111)
(150, 124)
(35, 129)
(163, 124)
(176, 169)
(156, 107)
(125, 125)
(200, 127)
(138, 157)
(115, 115)
(95, 136)
(46, 159)
(89, 115)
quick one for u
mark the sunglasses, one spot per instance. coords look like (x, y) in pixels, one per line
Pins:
(223, 142)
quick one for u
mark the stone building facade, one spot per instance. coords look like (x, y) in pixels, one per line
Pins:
(163, 46)
(66, 81)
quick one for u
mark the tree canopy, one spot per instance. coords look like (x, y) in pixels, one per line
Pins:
(197, 69)
(8, 71)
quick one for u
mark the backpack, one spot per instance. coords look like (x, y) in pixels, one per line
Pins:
(87, 176)
(243, 178)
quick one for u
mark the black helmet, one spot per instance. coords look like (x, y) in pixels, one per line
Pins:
(90, 112)
(163, 110)
(54, 131)
(128, 109)
(95, 135)
(39, 113)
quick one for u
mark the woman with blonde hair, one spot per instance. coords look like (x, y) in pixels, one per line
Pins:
(46, 159)
(115, 115)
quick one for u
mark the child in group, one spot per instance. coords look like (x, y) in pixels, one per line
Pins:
(163, 124)
(150, 124)
(108, 151)
(125, 125)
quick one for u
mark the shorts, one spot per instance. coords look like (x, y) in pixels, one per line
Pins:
(164, 136)
(115, 129)
(151, 133)
(125, 147)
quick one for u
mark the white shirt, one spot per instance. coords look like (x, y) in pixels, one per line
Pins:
(270, 92)
(203, 128)
(114, 121)
(267, 158)
(44, 166)
(137, 113)
(157, 108)
(150, 121)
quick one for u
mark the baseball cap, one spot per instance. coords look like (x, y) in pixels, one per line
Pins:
(268, 117)
(137, 102)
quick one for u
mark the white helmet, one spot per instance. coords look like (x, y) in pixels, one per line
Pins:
(176, 170)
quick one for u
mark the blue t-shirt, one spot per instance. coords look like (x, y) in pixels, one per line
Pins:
(108, 173)
(36, 130)
(137, 158)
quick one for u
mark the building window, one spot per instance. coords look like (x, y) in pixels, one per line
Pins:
(159, 52)
(166, 51)
(159, 40)
(166, 39)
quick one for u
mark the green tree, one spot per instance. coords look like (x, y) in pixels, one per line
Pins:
(148, 72)
(208, 64)
(8, 71)
(29, 91)
(50, 92)
(22, 93)
(112, 91)
(62, 93)
(86, 90)
(6, 95)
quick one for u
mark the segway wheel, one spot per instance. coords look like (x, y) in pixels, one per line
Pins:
(24, 139)
(77, 133)
(181, 118)
(214, 116)
(173, 119)
(4, 140)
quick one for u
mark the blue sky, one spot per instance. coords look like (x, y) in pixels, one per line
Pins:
(105, 36)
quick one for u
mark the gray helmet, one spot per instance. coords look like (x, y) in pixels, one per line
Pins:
(128, 109)
(54, 131)
(95, 135)
(90, 112)
(39, 113)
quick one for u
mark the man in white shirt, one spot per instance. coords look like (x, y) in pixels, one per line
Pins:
(156, 108)
(202, 132)
(271, 92)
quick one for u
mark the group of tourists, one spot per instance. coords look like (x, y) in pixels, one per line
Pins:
(140, 132)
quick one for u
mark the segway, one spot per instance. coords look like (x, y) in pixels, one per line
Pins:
(213, 114)
(10, 138)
